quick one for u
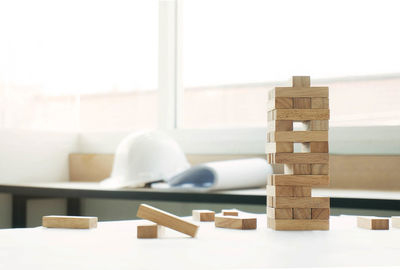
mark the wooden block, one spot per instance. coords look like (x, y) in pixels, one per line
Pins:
(69, 222)
(281, 147)
(203, 215)
(286, 191)
(320, 213)
(296, 158)
(301, 81)
(297, 224)
(270, 202)
(301, 191)
(147, 231)
(320, 169)
(396, 222)
(298, 180)
(300, 202)
(315, 147)
(298, 114)
(297, 169)
(298, 136)
(373, 223)
(281, 103)
(316, 125)
(280, 125)
(319, 103)
(280, 213)
(167, 219)
(301, 103)
(240, 223)
(301, 213)
(300, 92)
(230, 212)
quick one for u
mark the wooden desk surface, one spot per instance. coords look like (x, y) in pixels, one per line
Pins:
(113, 245)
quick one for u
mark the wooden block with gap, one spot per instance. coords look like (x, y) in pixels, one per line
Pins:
(69, 222)
(298, 180)
(301, 81)
(167, 219)
(297, 169)
(295, 158)
(275, 191)
(280, 213)
(300, 202)
(280, 125)
(231, 222)
(320, 213)
(298, 136)
(301, 213)
(316, 125)
(297, 224)
(320, 169)
(299, 114)
(315, 147)
(395, 222)
(301, 103)
(373, 223)
(314, 91)
(281, 147)
(203, 215)
(147, 231)
(230, 212)
(301, 191)
(319, 103)
(281, 103)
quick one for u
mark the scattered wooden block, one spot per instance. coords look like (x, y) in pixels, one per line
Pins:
(300, 92)
(296, 158)
(147, 231)
(300, 202)
(320, 169)
(301, 191)
(203, 215)
(281, 147)
(301, 103)
(373, 223)
(316, 125)
(231, 212)
(69, 222)
(230, 222)
(286, 191)
(315, 147)
(167, 219)
(280, 125)
(298, 180)
(280, 213)
(319, 103)
(298, 114)
(301, 81)
(297, 169)
(301, 213)
(297, 224)
(320, 213)
(298, 136)
(396, 222)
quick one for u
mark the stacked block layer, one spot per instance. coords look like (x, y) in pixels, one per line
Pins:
(290, 205)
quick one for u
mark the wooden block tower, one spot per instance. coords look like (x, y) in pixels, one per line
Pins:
(290, 205)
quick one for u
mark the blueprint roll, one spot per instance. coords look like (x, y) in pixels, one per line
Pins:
(230, 174)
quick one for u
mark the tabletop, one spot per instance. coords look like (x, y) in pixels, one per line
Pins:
(113, 245)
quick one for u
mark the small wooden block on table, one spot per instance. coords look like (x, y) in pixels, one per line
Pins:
(69, 222)
(232, 212)
(147, 231)
(203, 215)
(232, 222)
(396, 222)
(167, 219)
(373, 223)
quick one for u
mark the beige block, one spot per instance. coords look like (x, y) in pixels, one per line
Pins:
(301, 213)
(230, 212)
(320, 213)
(298, 114)
(301, 103)
(300, 92)
(319, 103)
(298, 180)
(301, 191)
(320, 169)
(203, 215)
(147, 231)
(297, 169)
(297, 224)
(280, 125)
(286, 191)
(296, 158)
(69, 222)
(300, 202)
(280, 213)
(395, 222)
(373, 223)
(231, 222)
(298, 136)
(301, 81)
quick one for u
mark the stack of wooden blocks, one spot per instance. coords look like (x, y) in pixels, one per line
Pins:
(290, 205)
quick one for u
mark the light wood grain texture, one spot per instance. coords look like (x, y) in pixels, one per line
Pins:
(69, 222)
(203, 215)
(301, 81)
(300, 202)
(167, 219)
(315, 147)
(373, 223)
(293, 158)
(230, 212)
(280, 103)
(90, 167)
(299, 136)
(301, 213)
(301, 191)
(297, 169)
(147, 231)
(395, 222)
(285, 147)
(298, 114)
(241, 223)
(320, 169)
(270, 201)
(301, 103)
(280, 125)
(316, 125)
(320, 213)
(280, 213)
(285, 191)
(300, 92)
(297, 224)
(298, 180)
(319, 103)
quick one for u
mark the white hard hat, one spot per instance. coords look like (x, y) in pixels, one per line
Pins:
(144, 157)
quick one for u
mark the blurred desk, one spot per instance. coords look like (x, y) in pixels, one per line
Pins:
(74, 191)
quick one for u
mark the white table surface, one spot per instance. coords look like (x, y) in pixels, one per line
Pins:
(113, 245)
